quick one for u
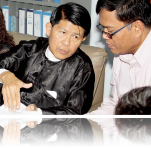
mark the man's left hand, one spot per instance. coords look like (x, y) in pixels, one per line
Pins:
(31, 107)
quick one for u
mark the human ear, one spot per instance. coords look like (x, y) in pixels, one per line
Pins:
(138, 27)
(84, 39)
(48, 28)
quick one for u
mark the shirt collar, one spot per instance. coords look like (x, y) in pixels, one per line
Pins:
(50, 56)
(141, 54)
(126, 58)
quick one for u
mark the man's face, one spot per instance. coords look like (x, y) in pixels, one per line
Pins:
(124, 41)
(64, 38)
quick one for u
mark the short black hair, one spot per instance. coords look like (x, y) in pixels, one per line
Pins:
(136, 129)
(74, 13)
(128, 10)
(135, 102)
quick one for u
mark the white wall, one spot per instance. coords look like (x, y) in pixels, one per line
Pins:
(97, 41)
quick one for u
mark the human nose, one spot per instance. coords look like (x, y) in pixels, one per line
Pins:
(105, 35)
(66, 40)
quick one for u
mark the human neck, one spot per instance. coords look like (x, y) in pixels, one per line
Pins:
(141, 39)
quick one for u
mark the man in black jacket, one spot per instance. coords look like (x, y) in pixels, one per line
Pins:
(52, 74)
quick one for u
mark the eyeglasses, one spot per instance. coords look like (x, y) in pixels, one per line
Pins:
(108, 35)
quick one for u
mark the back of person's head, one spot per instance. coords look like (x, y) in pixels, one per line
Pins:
(135, 129)
(135, 102)
(128, 10)
(4, 36)
(74, 13)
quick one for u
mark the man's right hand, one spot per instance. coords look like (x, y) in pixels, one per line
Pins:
(11, 90)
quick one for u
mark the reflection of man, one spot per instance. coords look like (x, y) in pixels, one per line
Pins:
(53, 132)
(126, 29)
(61, 74)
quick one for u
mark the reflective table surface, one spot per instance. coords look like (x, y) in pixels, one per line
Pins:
(52, 132)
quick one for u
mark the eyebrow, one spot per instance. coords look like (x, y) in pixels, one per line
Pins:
(106, 26)
(72, 33)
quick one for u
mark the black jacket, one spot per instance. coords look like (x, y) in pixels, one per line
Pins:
(72, 78)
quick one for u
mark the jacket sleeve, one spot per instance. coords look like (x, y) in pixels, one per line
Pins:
(12, 59)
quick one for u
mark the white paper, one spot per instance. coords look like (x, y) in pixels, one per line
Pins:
(21, 111)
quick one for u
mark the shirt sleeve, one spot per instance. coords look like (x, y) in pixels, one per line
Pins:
(109, 103)
(1, 71)
(107, 108)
